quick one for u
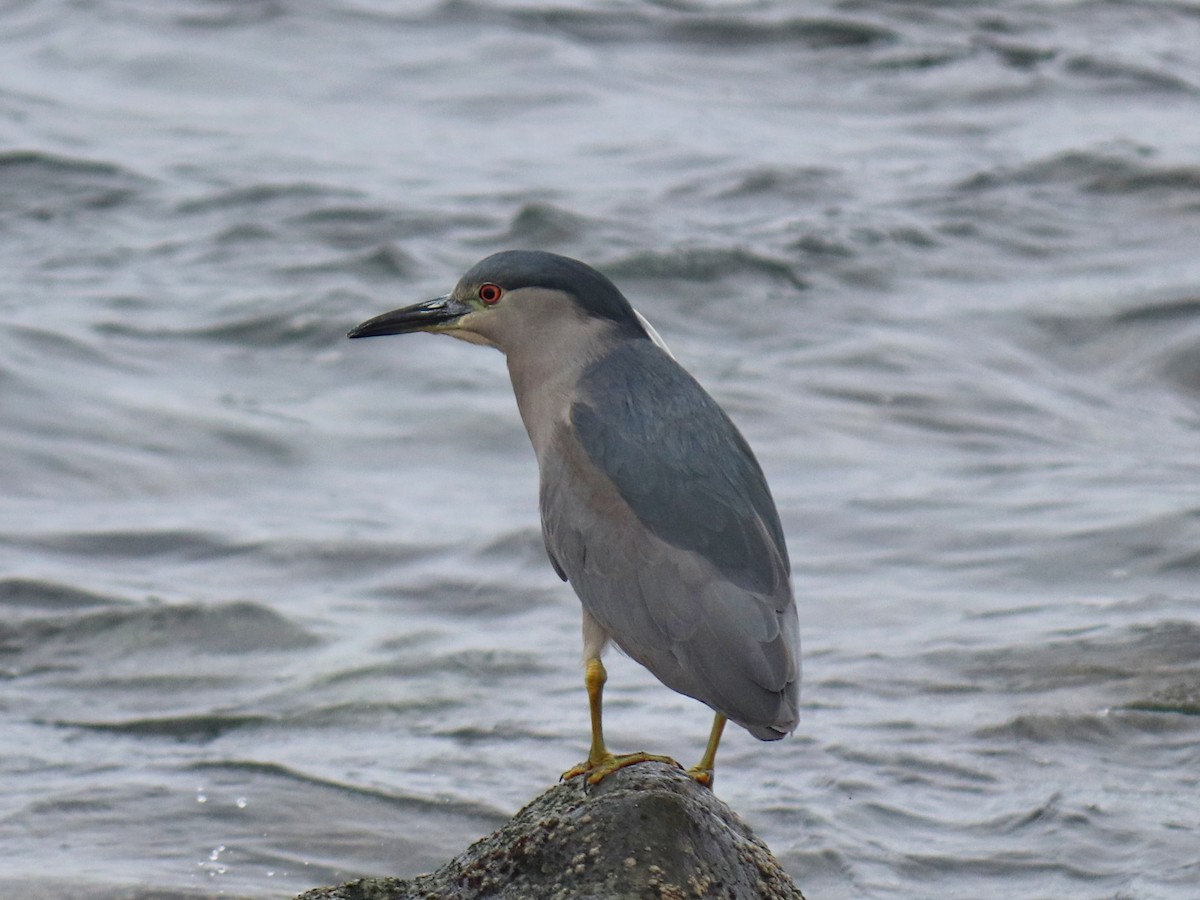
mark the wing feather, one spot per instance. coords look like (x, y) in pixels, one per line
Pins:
(680, 463)
(656, 511)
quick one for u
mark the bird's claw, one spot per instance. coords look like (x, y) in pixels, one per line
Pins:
(597, 770)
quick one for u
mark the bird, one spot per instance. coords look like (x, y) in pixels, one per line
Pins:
(653, 506)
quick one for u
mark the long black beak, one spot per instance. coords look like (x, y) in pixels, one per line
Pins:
(431, 315)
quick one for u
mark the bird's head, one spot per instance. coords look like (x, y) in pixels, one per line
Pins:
(517, 299)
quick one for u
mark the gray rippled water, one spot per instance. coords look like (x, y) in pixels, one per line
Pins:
(274, 609)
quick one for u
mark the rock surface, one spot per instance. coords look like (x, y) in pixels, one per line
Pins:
(646, 831)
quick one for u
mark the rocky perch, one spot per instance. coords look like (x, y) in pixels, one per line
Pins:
(646, 831)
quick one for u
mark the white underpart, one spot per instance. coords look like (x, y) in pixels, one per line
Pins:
(654, 336)
(595, 638)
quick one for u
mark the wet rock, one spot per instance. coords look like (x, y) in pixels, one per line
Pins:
(646, 831)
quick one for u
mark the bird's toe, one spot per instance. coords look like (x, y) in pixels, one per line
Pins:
(597, 770)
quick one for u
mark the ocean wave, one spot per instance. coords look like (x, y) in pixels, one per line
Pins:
(704, 264)
(47, 186)
(1099, 172)
(1121, 662)
(695, 26)
(35, 594)
(141, 629)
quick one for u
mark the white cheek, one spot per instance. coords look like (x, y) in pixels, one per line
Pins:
(470, 337)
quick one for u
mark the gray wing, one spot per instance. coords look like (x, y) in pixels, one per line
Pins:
(655, 509)
(680, 463)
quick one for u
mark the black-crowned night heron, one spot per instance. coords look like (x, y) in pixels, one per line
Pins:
(653, 506)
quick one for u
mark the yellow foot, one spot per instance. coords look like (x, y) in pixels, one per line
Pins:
(598, 771)
(702, 776)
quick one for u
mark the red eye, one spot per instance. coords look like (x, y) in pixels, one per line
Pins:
(490, 293)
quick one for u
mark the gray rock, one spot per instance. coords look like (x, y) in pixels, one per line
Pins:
(646, 831)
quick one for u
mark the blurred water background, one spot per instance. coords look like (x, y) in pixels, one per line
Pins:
(274, 609)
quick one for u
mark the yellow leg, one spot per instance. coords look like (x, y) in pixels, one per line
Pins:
(600, 762)
(703, 770)
(595, 678)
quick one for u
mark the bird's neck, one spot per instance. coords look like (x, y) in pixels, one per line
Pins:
(545, 376)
